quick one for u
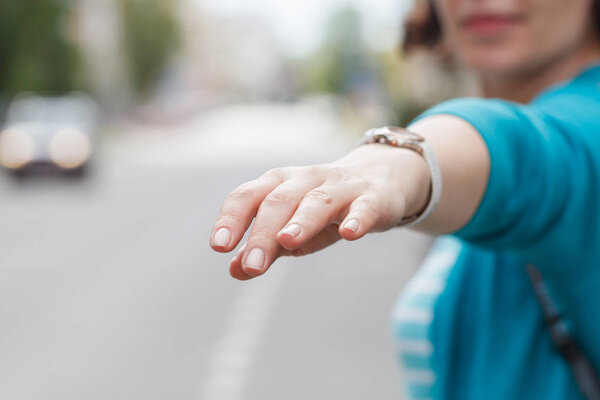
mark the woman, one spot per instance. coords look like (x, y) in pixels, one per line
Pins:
(520, 170)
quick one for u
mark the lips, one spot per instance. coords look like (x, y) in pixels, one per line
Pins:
(490, 24)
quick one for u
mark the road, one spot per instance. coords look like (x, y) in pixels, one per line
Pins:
(109, 290)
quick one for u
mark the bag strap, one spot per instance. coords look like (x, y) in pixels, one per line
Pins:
(565, 343)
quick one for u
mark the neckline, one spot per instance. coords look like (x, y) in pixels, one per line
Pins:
(584, 74)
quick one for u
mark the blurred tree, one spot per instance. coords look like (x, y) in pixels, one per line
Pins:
(383, 86)
(343, 61)
(152, 37)
(35, 53)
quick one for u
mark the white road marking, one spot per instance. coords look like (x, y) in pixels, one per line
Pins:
(234, 356)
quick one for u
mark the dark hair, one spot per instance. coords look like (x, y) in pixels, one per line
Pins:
(422, 26)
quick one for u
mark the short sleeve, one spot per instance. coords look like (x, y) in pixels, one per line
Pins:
(542, 195)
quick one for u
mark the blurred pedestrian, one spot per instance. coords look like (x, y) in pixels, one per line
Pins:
(520, 168)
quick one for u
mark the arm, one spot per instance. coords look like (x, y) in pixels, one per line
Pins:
(516, 178)
(299, 210)
(465, 165)
(540, 199)
(509, 183)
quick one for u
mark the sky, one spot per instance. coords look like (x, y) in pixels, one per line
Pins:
(299, 24)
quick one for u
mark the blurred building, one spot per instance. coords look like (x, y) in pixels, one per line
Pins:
(233, 56)
(100, 32)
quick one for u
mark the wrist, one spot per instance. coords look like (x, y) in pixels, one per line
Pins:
(404, 171)
(416, 186)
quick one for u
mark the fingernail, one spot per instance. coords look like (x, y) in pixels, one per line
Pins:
(256, 259)
(352, 225)
(222, 237)
(293, 230)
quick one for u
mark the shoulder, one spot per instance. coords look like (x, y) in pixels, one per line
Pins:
(572, 102)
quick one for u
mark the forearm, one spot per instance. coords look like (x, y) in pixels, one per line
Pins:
(465, 164)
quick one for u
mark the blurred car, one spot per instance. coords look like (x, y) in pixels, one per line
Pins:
(42, 133)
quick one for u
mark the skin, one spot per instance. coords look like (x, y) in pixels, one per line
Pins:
(300, 210)
(549, 41)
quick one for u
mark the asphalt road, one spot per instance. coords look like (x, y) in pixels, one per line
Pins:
(109, 290)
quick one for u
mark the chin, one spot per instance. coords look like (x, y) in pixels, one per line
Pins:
(495, 62)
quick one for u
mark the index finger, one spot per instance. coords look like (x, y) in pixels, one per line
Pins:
(238, 210)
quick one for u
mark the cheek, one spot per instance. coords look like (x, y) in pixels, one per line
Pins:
(558, 25)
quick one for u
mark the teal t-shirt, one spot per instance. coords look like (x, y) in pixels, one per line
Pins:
(469, 325)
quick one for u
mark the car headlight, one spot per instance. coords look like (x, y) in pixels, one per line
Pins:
(17, 148)
(69, 148)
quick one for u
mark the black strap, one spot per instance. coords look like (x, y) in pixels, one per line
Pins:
(565, 343)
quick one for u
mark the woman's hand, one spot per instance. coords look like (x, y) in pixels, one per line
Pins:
(300, 210)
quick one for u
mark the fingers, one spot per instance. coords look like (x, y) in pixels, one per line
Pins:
(296, 212)
(235, 266)
(238, 210)
(318, 209)
(362, 217)
(275, 210)
(325, 238)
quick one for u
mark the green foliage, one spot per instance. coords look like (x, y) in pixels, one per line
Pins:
(343, 58)
(35, 54)
(151, 38)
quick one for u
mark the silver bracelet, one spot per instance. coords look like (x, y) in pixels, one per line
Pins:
(403, 138)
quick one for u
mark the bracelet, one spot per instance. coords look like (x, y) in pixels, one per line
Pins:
(403, 138)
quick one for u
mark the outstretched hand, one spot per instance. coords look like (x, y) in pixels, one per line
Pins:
(300, 210)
